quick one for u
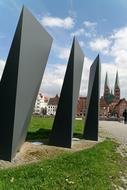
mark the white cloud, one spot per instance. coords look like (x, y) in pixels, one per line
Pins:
(54, 76)
(119, 47)
(89, 24)
(64, 53)
(2, 64)
(100, 44)
(53, 79)
(82, 44)
(89, 31)
(115, 46)
(85, 76)
(112, 68)
(66, 23)
(80, 32)
(72, 11)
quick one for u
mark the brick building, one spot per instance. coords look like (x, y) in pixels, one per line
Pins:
(81, 106)
(104, 107)
(120, 107)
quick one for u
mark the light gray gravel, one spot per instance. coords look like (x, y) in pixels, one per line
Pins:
(117, 131)
(114, 129)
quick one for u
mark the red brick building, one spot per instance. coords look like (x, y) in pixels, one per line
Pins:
(120, 107)
(104, 107)
(81, 106)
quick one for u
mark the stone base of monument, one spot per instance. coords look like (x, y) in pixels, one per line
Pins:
(34, 151)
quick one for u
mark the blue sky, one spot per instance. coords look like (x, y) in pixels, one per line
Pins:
(100, 27)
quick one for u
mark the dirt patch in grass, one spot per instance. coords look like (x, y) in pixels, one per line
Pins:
(30, 152)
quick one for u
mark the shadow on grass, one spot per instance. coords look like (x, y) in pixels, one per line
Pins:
(77, 135)
(38, 135)
(43, 134)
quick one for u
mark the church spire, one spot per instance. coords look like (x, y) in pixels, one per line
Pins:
(117, 81)
(117, 88)
(106, 81)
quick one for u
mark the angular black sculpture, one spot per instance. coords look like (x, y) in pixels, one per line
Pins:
(20, 82)
(61, 134)
(92, 114)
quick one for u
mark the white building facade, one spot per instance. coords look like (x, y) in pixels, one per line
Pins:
(41, 103)
(52, 105)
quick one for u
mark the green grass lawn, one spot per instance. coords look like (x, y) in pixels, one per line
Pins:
(40, 128)
(92, 169)
(96, 168)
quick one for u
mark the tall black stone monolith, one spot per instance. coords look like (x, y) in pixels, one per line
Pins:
(92, 113)
(20, 82)
(61, 134)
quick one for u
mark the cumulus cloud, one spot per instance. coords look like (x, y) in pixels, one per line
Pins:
(90, 24)
(78, 32)
(116, 47)
(53, 79)
(89, 31)
(119, 47)
(64, 53)
(85, 76)
(66, 23)
(100, 44)
(54, 76)
(82, 44)
(111, 67)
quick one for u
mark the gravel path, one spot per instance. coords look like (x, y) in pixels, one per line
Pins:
(115, 130)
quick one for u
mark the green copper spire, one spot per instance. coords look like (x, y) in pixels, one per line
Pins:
(106, 81)
(117, 81)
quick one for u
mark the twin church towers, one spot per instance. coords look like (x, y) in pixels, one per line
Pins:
(109, 96)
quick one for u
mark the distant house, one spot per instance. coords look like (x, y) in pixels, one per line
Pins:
(40, 107)
(104, 108)
(120, 107)
(52, 105)
(81, 106)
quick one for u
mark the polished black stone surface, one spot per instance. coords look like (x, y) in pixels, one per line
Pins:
(92, 113)
(62, 130)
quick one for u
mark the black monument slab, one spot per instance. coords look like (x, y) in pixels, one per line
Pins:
(20, 82)
(61, 134)
(92, 113)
